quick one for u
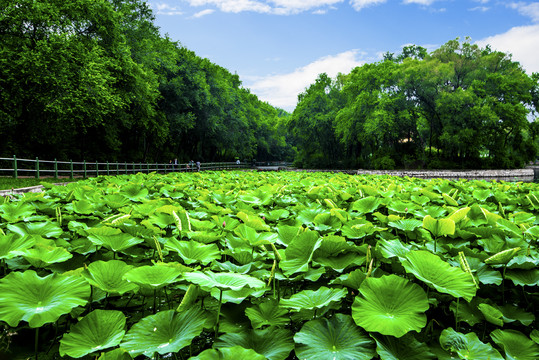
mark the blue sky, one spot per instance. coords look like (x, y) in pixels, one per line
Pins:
(278, 47)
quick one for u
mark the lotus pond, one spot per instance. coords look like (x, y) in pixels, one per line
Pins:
(244, 265)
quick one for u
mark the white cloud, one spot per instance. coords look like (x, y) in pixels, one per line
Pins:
(530, 10)
(420, 2)
(203, 13)
(279, 7)
(166, 9)
(360, 4)
(282, 90)
(480, 8)
(522, 42)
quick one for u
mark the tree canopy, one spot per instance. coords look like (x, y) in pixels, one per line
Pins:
(461, 106)
(94, 79)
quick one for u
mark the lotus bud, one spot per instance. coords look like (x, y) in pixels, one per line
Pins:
(264, 218)
(405, 209)
(224, 224)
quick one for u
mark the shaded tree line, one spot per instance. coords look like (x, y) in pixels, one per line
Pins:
(460, 106)
(94, 79)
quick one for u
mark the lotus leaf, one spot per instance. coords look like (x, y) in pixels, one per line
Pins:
(390, 305)
(193, 251)
(524, 277)
(231, 353)
(435, 272)
(99, 330)
(309, 299)
(41, 255)
(11, 243)
(108, 276)
(164, 332)
(515, 344)
(439, 227)
(39, 300)
(116, 354)
(366, 205)
(118, 241)
(223, 280)
(153, 276)
(503, 257)
(336, 338)
(299, 252)
(13, 212)
(45, 229)
(273, 343)
(467, 346)
(267, 313)
(491, 314)
(404, 348)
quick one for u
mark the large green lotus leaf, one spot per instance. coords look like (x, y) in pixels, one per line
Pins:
(153, 276)
(278, 214)
(523, 277)
(307, 216)
(299, 252)
(83, 206)
(445, 278)
(45, 229)
(431, 210)
(287, 233)
(405, 224)
(510, 228)
(116, 201)
(392, 248)
(309, 299)
(458, 215)
(352, 280)
(534, 335)
(523, 262)
(13, 212)
(466, 312)
(359, 228)
(467, 346)
(366, 205)
(482, 195)
(502, 257)
(253, 221)
(13, 242)
(342, 261)
(487, 276)
(267, 313)
(231, 353)
(533, 231)
(491, 314)
(514, 313)
(337, 338)
(516, 345)
(115, 242)
(390, 305)
(333, 245)
(40, 300)
(108, 276)
(404, 348)
(134, 192)
(236, 296)
(223, 280)
(252, 237)
(193, 251)
(42, 255)
(439, 227)
(273, 343)
(116, 354)
(99, 330)
(164, 332)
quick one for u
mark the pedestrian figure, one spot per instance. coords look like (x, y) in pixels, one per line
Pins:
(198, 165)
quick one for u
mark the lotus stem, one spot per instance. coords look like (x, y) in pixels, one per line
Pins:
(154, 301)
(36, 342)
(457, 316)
(166, 297)
(218, 313)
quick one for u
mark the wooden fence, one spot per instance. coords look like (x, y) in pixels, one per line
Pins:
(16, 167)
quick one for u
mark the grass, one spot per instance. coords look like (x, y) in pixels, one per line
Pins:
(7, 183)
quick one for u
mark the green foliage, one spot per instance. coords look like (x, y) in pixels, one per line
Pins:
(245, 265)
(458, 106)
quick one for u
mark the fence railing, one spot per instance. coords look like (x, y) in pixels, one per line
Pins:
(37, 168)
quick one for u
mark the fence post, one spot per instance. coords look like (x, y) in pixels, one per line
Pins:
(126, 167)
(133, 168)
(96, 168)
(55, 168)
(84, 168)
(71, 169)
(117, 168)
(147, 168)
(15, 174)
(37, 167)
(108, 170)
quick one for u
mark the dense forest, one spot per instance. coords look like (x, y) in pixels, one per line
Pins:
(95, 80)
(460, 106)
